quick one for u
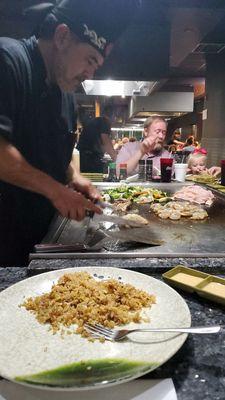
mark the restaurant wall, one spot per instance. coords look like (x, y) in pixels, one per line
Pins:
(187, 123)
(213, 134)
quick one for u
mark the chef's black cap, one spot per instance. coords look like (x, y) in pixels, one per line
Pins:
(97, 22)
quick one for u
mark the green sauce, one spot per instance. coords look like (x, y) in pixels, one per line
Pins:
(88, 373)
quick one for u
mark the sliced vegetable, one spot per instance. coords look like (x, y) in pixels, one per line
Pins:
(137, 194)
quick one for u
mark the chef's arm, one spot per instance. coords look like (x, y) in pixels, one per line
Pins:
(16, 170)
(71, 173)
(78, 182)
(107, 146)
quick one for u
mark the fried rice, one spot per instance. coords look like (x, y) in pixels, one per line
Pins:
(78, 298)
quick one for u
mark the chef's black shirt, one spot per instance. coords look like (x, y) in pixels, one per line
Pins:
(33, 120)
(90, 144)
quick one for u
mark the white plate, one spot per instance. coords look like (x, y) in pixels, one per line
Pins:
(140, 389)
(29, 349)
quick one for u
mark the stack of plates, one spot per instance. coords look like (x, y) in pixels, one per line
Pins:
(93, 176)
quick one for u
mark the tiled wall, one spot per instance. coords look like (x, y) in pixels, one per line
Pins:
(216, 149)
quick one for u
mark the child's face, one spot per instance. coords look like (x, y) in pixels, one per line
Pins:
(198, 166)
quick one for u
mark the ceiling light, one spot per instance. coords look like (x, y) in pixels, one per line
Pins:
(111, 87)
(128, 128)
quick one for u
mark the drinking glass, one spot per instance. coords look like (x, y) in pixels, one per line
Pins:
(180, 171)
(223, 172)
(166, 165)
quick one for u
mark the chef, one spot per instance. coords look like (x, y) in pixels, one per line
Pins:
(37, 76)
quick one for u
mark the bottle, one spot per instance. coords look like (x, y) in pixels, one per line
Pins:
(123, 172)
(112, 177)
(105, 171)
(76, 159)
(149, 167)
(141, 170)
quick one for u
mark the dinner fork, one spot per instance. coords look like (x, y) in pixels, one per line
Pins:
(99, 331)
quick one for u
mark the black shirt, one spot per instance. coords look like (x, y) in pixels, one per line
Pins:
(90, 138)
(90, 144)
(33, 120)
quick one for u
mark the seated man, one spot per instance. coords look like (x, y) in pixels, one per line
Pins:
(151, 147)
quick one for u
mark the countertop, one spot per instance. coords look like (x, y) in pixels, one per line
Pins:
(198, 368)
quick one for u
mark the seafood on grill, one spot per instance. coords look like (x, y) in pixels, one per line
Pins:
(174, 210)
(136, 218)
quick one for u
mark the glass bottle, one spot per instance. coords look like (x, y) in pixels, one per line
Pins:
(149, 168)
(76, 159)
(123, 172)
(112, 177)
(141, 170)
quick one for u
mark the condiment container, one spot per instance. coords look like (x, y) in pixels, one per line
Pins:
(123, 172)
(212, 288)
(205, 285)
(141, 170)
(76, 159)
(149, 169)
(112, 177)
(184, 278)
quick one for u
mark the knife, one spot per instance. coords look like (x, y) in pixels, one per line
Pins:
(60, 248)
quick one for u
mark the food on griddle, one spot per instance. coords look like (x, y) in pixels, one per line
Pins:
(122, 205)
(135, 194)
(217, 186)
(78, 298)
(198, 215)
(202, 178)
(175, 215)
(136, 218)
(174, 210)
(195, 194)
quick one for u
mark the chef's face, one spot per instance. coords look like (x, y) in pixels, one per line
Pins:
(74, 61)
(198, 166)
(157, 132)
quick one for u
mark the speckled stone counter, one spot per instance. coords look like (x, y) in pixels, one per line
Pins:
(198, 368)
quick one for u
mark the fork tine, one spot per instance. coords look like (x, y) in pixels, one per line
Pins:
(100, 329)
(92, 328)
(104, 329)
(94, 333)
(97, 330)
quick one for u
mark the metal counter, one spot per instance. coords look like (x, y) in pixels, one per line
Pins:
(182, 238)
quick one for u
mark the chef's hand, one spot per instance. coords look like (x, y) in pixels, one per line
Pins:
(214, 171)
(72, 204)
(84, 186)
(147, 145)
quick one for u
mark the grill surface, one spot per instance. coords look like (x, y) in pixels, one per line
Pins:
(184, 237)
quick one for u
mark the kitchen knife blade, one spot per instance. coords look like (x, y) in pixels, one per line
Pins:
(59, 248)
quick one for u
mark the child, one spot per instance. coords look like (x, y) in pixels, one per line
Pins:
(197, 163)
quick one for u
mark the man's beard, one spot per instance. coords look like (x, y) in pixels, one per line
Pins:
(158, 148)
(67, 85)
(72, 85)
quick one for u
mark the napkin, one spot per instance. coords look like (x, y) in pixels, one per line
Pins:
(140, 389)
